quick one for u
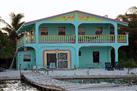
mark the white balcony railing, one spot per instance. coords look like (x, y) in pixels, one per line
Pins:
(122, 38)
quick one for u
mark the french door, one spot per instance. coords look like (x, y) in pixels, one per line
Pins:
(57, 59)
(51, 60)
(62, 60)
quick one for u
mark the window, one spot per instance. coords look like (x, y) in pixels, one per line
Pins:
(111, 30)
(99, 30)
(27, 58)
(79, 53)
(81, 31)
(62, 60)
(44, 30)
(62, 56)
(61, 31)
(96, 57)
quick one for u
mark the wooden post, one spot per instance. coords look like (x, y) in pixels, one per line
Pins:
(20, 69)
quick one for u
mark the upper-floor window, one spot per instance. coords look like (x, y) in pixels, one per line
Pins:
(61, 31)
(99, 30)
(81, 31)
(111, 30)
(44, 30)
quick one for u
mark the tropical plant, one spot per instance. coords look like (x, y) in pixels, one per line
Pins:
(8, 42)
(130, 52)
(14, 26)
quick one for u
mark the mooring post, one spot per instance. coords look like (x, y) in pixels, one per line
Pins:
(20, 69)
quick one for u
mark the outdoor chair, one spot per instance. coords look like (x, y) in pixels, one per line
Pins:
(108, 66)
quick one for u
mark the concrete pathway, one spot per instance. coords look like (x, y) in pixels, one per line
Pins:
(10, 75)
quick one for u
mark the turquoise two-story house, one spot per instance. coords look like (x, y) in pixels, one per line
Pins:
(70, 40)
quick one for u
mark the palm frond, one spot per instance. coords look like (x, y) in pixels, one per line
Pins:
(7, 29)
(4, 22)
(16, 20)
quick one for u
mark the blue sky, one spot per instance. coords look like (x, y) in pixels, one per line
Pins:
(35, 9)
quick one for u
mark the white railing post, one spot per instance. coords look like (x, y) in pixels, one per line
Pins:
(127, 40)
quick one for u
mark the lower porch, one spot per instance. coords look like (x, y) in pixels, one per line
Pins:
(66, 57)
(96, 57)
(26, 58)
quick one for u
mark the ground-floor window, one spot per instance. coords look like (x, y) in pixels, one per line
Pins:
(79, 53)
(27, 58)
(96, 56)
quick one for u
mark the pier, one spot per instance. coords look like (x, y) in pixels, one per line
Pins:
(44, 81)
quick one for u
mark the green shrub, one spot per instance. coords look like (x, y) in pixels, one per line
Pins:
(128, 63)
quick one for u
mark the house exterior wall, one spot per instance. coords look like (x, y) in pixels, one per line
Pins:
(53, 28)
(91, 28)
(86, 58)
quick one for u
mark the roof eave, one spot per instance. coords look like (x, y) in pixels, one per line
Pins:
(20, 28)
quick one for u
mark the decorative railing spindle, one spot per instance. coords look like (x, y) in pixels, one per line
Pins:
(58, 39)
(101, 38)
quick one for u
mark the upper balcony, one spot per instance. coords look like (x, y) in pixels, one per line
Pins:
(66, 33)
(122, 38)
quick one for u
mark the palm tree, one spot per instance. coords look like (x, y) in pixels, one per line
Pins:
(14, 26)
(16, 23)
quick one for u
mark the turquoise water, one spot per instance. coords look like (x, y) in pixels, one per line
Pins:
(16, 85)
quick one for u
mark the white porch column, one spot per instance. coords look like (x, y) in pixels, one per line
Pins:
(115, 32)
(116, 55)
(37, 33)
(77, 49)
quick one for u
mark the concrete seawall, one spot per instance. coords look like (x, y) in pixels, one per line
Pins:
(10, 75)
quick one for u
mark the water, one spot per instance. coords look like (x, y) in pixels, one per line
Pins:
(112, 81)
(16, 85)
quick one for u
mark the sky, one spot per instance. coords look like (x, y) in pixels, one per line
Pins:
(36, 9)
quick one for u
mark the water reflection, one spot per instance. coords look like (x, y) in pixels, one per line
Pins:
(15, 85)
